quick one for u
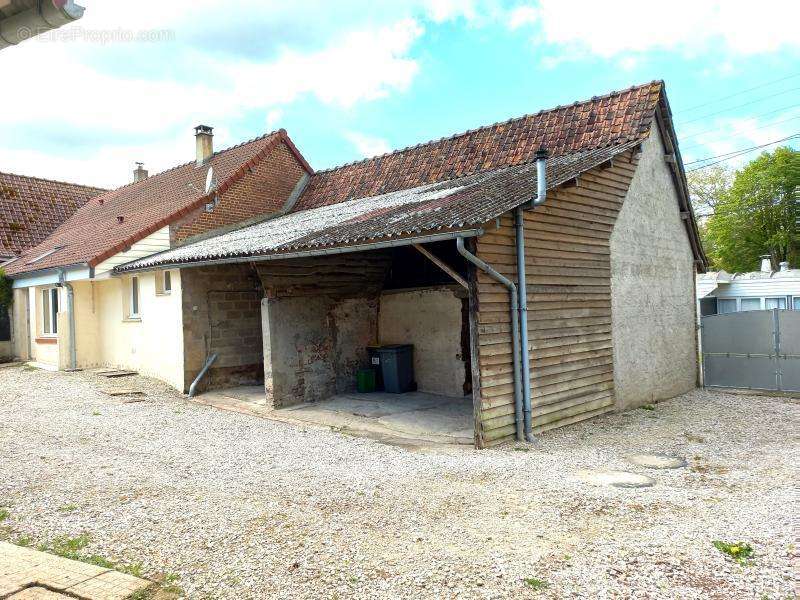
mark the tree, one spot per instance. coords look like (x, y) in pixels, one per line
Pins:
(5, 290)
(757, 215)
(707, 187)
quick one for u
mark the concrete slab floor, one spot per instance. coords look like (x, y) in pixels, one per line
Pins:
(415, 417)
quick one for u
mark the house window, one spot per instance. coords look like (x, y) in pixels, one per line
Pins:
(770, 303)
(796, 302)
(134, 298)
(50, 311)
(726, 305)
(751, 304)
(163, 281)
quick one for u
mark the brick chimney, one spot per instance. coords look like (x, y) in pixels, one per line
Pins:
(204, 142)
(139, 173)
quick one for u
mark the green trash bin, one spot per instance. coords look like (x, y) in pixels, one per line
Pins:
(365, 381)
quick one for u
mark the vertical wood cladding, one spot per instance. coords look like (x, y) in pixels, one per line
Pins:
(567, 258)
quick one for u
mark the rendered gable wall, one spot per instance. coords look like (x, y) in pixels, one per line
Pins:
(652, 285)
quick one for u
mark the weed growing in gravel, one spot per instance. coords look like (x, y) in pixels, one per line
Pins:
(521, 449)
(739, 551)
(68, 508)
(536, 584)
(648, 407)
(22, 540)
(4, 514)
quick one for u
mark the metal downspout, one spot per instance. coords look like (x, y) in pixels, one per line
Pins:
(73, 355)
(209, 361)
(522, 290)
(522, 315)
(512, 293)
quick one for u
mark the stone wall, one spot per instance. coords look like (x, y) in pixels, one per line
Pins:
(222, 314)
(314, 346)
(652, 283)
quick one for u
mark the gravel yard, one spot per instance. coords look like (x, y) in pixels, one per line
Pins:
(243, 507)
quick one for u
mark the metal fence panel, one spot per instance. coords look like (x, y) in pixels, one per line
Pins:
(754, 349)
(789, 344)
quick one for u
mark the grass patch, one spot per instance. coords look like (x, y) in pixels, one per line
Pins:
(96, 413)
(4, 514)
(23, 540)
(648, 407)
(738, 551)
(68, 508)
(536, 584)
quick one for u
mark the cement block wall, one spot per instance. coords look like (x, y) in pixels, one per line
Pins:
(652, 279)
(430, 319)
(222, 314)
(314, 345)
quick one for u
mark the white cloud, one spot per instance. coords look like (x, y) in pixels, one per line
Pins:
(522, 15)
(273, 118)
(635, 26)
(730, 134)
(368, 146)
(139, 101)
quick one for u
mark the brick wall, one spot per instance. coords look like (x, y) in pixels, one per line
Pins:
(222, 314)
(261, 192)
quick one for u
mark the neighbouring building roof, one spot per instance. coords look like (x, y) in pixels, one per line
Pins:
(444, 185)
(32, 208)
(113, 221)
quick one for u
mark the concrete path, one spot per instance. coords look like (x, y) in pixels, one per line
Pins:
(27, 574)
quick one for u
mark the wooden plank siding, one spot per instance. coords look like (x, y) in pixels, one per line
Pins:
(568, 269)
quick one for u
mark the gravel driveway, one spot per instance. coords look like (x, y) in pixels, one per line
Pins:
(242, 507)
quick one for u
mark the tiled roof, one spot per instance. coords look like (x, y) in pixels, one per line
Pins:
(31, 208)
(449, 206)
(616, 118)
(110, 223)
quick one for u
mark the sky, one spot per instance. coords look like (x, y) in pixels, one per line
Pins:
(355, 78)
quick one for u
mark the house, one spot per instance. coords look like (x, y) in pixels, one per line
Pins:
(543, 266)
(30, 209)
(69, 310)
(719, 292)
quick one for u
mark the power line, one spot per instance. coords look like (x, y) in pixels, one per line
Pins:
(768, 83)
(739, 106)
(758, 116)
(733, 135)
(736, 153)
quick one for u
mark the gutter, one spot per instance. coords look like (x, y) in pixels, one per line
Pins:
(391, 243)
(73, 355)
(43, 17)
(515, 343)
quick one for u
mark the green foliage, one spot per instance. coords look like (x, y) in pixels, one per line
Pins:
(4, 514)
(6, 295)
(740, 551)
(536, 584)
(756, 215)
